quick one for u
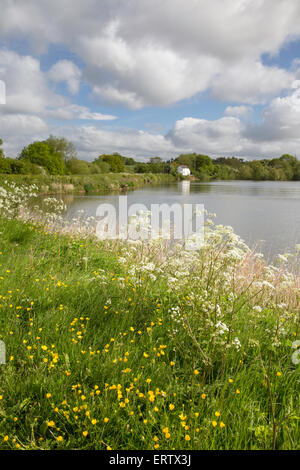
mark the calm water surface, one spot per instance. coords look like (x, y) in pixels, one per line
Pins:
(266, 214)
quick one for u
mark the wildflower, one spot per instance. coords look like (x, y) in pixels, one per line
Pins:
(106, 420)
(59, 438)
(222, 425)
(217, 414)
(94, 421)
(279, 374)
(196, 372)
(203, 396)
(48, 395)
(171, 406)
(237, 391)
(187, 437)
(214, 423)
(5, 438)
(51, 424)
(85, 433)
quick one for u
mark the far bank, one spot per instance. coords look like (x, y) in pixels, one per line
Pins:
(80, 184)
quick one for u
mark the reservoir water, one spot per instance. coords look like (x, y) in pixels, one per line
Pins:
(265, 214)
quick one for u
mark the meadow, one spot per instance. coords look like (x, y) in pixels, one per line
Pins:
(118, 345)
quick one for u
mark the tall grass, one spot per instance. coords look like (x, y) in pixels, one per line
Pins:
(48, 184)
(115, 345)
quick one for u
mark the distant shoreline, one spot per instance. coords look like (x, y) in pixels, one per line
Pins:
(88, 184)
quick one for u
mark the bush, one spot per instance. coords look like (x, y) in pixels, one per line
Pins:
(89, 188)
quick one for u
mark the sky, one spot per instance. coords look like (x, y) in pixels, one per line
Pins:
(152, 77)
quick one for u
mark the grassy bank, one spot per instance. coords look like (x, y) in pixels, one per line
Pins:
(48, 184)
(130, 346)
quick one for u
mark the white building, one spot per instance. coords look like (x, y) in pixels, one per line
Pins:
(183, 170)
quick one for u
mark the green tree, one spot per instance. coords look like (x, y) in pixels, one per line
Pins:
(204, 164)
(62, 147)
(74, 166)
(259, 170)
(115, 162)
(5, 167)
(40, 153)
(142, 168)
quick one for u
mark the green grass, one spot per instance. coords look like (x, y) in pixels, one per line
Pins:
(87, 340)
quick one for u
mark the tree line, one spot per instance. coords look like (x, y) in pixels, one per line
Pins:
(58, 156)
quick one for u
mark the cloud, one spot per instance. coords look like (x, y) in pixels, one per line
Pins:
(92, 141)
(221, 136)
(115, 96)
(250, 82)
(66, 71)
(280, 120)
(150, 53)
(140, 53)
(17, 130)
(27, 89)
(275, 134)
(238, 111)
(74, 112)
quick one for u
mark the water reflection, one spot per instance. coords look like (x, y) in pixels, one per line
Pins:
(264, 213)
(184, 187)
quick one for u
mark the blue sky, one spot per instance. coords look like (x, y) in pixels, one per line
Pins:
(148, 78)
